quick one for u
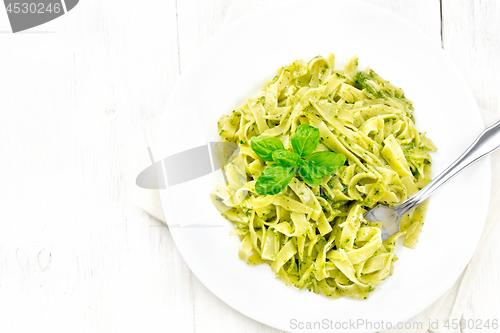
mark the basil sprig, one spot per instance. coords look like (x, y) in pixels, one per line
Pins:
(305, 140)
(311, 167)
(264, 146)
(285, 157)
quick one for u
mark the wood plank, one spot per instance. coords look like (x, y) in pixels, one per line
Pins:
(198, 21)
(471, 36)
(80, 253)
(75, 255)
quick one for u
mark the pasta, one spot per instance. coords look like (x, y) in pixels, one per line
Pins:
(315, 237)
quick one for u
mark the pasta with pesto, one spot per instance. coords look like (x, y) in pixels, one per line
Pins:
(315, 237)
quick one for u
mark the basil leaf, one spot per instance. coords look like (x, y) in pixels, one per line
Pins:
(327, 162)
(285, 157)
(310, 173)
(264, 146)
(274, 179)
(305, 139)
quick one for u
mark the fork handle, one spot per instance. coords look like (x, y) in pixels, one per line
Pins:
(487, 142)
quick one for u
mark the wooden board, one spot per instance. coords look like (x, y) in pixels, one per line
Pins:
(80, 99)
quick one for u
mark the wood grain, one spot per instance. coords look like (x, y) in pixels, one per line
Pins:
(79, 105)
(471, 37)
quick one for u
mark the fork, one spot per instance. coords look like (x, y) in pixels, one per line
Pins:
(390, 217)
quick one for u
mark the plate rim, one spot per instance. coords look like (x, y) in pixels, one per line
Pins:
(227, 29)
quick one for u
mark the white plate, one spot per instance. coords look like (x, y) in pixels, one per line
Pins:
(234, 65)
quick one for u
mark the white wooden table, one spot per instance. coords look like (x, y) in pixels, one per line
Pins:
(75, 95)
